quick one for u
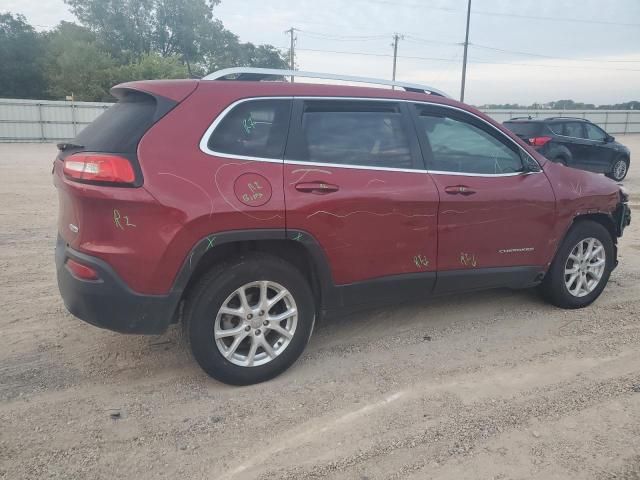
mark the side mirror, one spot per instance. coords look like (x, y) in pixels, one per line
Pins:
(609, 139)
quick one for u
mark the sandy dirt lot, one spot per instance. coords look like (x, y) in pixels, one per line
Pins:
(491, 385)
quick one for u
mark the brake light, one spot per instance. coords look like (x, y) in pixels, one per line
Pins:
(81, 271)
(93, 167)
(538, 141)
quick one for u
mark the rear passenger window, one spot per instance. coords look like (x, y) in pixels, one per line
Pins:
(355, 133)
(573, 129)
(256, 128)
(460, 147)
(557, 128)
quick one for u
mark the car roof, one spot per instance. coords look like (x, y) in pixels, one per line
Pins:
(546, 120)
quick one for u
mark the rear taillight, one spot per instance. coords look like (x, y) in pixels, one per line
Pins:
(81, 271)
(538, 141)
(94, 167)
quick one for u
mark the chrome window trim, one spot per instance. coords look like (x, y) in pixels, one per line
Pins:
(576, 138)
(205, 138)
(359, 167)
(583, 122)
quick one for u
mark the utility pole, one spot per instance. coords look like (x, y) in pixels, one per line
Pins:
(466, 46)
(396, 37)
(292, 57)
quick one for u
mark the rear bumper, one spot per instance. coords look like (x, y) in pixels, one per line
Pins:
(108, 302)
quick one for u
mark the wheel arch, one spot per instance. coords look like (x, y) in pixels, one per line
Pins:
(604, 219)
(621, 156)
(560, 151)
(297, 247)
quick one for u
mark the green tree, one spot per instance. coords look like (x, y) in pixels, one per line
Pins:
(21, 57)
(122, 27)
(130, 29)
(151, 66)
(77, 65)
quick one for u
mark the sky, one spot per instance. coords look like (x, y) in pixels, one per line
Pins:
(520, 51)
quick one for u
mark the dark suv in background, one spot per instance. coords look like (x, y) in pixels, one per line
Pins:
(574, 142)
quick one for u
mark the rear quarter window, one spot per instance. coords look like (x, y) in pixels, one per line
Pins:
(557, 128)
(255, 128)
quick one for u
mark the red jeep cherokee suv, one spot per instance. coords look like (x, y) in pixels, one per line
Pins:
(248, 209)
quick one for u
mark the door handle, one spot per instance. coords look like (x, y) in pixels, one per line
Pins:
(319, 188)
(459, 190)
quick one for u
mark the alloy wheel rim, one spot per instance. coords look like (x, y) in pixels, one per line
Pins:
(584, 267)
(256, 323)
(620, 169)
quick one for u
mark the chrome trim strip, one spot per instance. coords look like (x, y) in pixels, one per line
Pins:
(327, 76)
(464, 174)
(359, 167)
(205, 138)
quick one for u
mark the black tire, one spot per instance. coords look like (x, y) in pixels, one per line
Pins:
(212, 290)
(553, 286)
(615, 169)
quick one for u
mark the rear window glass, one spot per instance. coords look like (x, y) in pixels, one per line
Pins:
(524, 129)
(119, 128)
(257, 128)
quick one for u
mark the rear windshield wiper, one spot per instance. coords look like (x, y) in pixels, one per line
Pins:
(66, 146)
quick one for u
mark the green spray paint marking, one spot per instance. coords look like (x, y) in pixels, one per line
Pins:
(248, 124)
(212, 241)
(421, 261)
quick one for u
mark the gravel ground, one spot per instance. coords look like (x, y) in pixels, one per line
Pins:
(491, 385)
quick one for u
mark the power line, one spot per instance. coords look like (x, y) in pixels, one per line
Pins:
(486, 47)
(500, 14)
(370, 54)
(414, 39)
(330, 36)
(554, 19)
(574, 67)
(440, 59)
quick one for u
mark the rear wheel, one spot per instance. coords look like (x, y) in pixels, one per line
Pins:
(249, 319)
(560, 159)
(619, 169)
(581, 268)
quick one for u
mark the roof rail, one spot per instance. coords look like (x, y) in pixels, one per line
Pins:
(570, 118)
(528, 117)
(257, 74)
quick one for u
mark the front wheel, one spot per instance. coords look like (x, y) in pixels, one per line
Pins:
(250, 319)
(581, 268)
(619, 169)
